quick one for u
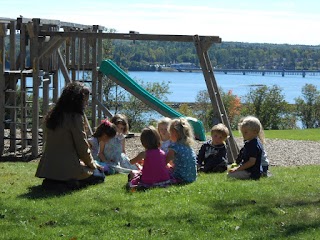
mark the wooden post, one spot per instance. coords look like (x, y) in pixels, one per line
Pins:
(13, 86)
(87, 54)
(45, 103)
(2, 84)
(100, 85)
(23, 89)
(80, 62)
(35, 86)
(214, 93)
(67, 53)
(55, 85)
(73, 58)
(94, 83)
(63, 68)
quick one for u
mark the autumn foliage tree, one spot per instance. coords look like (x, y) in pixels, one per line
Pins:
(233, 106)
(209, 117)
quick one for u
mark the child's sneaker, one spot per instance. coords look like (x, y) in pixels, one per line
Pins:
(266, 174)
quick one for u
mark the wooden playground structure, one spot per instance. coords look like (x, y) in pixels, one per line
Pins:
(40, 49)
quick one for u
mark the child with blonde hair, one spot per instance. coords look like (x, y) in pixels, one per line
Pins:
(212, 156)
(181, 155)
(154, 172)
(163, 125)
(250, 155)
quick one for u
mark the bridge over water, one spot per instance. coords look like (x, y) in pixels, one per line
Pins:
(282, 73)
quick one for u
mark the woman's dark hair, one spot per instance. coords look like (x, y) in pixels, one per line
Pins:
(150, 138)
(107, 128)
(72, 100)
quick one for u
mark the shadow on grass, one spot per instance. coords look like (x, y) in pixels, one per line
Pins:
(230, 205)
(295, 229)
(272, 210)
(144, 189)
(61, 189)
(50, 188)
(38, 192)
(14, 158)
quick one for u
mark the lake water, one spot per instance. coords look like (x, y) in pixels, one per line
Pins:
(185, 85)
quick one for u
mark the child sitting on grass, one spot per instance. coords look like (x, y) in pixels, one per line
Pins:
(264, 157)
(250, 155)
(181, 156)
(113, 151)
(163, 125)
(104, 132)
(212, 156)
(154, 172)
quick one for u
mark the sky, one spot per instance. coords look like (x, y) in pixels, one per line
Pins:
(252, 21)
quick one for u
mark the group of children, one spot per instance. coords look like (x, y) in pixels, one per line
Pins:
(251, 162)
(107, 145)
(168, 157)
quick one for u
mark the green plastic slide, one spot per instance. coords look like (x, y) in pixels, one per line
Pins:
(114, 72)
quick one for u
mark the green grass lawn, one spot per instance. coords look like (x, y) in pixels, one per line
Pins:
(292, 134)
(284, 206)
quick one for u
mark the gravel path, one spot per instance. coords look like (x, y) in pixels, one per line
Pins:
(280, 152)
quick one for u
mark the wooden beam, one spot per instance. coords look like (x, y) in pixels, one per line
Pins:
(35, 87)
(23, 87)
(52, 22)
(55, 85)
(135, 36)
(63, 67)
(51, 46)
(67, 53)
(94, 83)
(13, 85)
(6, 20)
(3, 29)
(2, 84)
(100, 85)
(81, 51)
(104, 109)
(45, 93)
(73, 52)
(13, 45)
(30, 29)
(87, 52)
(215, 96)
(206, 43)
(73, 58)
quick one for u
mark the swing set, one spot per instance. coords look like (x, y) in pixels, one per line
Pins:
(70, 49)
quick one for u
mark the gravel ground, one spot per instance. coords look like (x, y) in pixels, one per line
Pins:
(280, 152)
